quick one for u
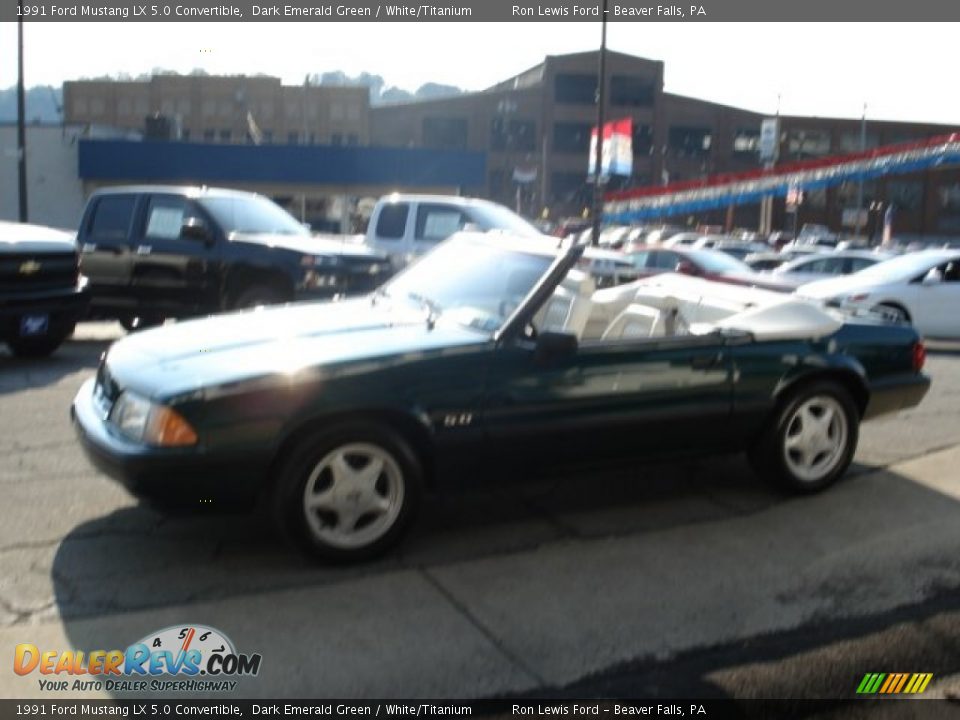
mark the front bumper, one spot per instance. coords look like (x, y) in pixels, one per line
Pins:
(186, 477)
(899, 392)
(65, 307)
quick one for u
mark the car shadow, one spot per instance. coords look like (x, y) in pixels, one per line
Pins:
(18, 374)
(137, 559)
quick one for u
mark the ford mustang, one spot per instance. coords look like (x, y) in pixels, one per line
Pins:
(493, 358)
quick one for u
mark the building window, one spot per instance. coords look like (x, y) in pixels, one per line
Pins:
(746, 142)
(686, 141)
(642, 140)
(848, 191)
(815, 199)
(631, 91)
(807, 144)
(185, 134)
(352, 139)
(575, 88)
(905, 194)
(445, 133)
(209, 135)
(267, 136)
(570, 188)
(949, 196)
(293, 138)
(226, 135)
(336, 139)
(571, 137)
(513, 134)
(850, 141)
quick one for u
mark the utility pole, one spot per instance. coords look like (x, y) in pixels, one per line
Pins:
(598, 159)
(863, 147)
(21, 119)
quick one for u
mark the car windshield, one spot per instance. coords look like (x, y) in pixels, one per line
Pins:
(717, 262)
(471, 282)
(494, 217)
(251, 214)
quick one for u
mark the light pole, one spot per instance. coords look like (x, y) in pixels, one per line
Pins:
(21, 119)
(598, 159)
(863, 146)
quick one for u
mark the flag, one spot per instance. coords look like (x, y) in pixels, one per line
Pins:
(254, 130)
(888, 227)
(617, 152)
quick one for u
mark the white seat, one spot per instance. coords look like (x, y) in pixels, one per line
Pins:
(568, 308)
(636, 321)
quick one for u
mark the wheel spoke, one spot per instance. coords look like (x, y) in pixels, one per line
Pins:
(322, 500)
(341, 470)
(367, 476)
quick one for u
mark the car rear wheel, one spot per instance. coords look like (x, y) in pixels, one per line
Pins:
(812, 440)
(132, 323)
(349, 494)
(255, 296)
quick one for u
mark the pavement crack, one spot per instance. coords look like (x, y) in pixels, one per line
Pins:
(501, 647)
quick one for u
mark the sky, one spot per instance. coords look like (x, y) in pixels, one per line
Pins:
(900, 71)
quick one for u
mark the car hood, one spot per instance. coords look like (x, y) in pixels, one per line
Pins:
(278, 343)
(308, 245)
(24, 238)
(843, 285)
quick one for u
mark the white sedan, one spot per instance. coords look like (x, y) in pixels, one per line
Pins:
(821, 266)
(922, 288)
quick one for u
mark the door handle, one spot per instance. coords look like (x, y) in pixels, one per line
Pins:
(144, 249)
(705, 362)
(88, 247)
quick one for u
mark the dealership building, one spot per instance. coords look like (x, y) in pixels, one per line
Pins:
(523, 142)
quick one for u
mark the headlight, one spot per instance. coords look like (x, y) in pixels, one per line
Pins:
(147, 422)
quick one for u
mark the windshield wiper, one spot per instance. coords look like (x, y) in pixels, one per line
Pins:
(433, 308)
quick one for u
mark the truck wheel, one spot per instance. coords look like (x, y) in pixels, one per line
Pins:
(132, 323)
(255, 296)
(40, 347)
(347, 494)
(811, 441)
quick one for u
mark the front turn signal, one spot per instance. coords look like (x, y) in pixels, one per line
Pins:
(167, 428)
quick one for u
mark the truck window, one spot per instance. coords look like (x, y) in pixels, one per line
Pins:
(165, 217)
(392, 221)
(438, 222)
(111, 217)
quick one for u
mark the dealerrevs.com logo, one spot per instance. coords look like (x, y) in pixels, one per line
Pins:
(177, 658)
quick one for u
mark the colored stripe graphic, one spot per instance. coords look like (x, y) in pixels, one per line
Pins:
(894, 683)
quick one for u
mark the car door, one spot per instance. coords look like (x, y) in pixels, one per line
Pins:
(172, 273)
(607, 400)
(935, 302)
(105, 248)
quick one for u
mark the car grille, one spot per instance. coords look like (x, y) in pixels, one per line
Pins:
(362, 275)
(30, 272)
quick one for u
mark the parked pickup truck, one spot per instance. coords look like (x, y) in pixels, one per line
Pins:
(42, 294)
(404, 226)
(156, 252)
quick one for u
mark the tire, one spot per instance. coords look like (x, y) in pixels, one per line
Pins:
(132, 323)
(330, 500)
(893, 312)
(799, 453)
(254, 296)
(40, 347)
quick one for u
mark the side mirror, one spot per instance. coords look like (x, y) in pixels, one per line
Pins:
(934, 277)
(686, 267)
(195, 229)
(552, 346)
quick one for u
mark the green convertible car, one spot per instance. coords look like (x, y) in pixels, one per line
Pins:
(491, 359)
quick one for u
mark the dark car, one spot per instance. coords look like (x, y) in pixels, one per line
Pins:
(701, 262)
(155, 252)
(478, 364)
(42, 294)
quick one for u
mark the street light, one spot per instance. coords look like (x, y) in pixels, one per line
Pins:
(21, 119)
(598, 159)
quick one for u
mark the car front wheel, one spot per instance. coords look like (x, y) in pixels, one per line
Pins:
(347, 495)
(812, 441)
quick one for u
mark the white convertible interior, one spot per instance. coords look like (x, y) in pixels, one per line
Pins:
(671, 304)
